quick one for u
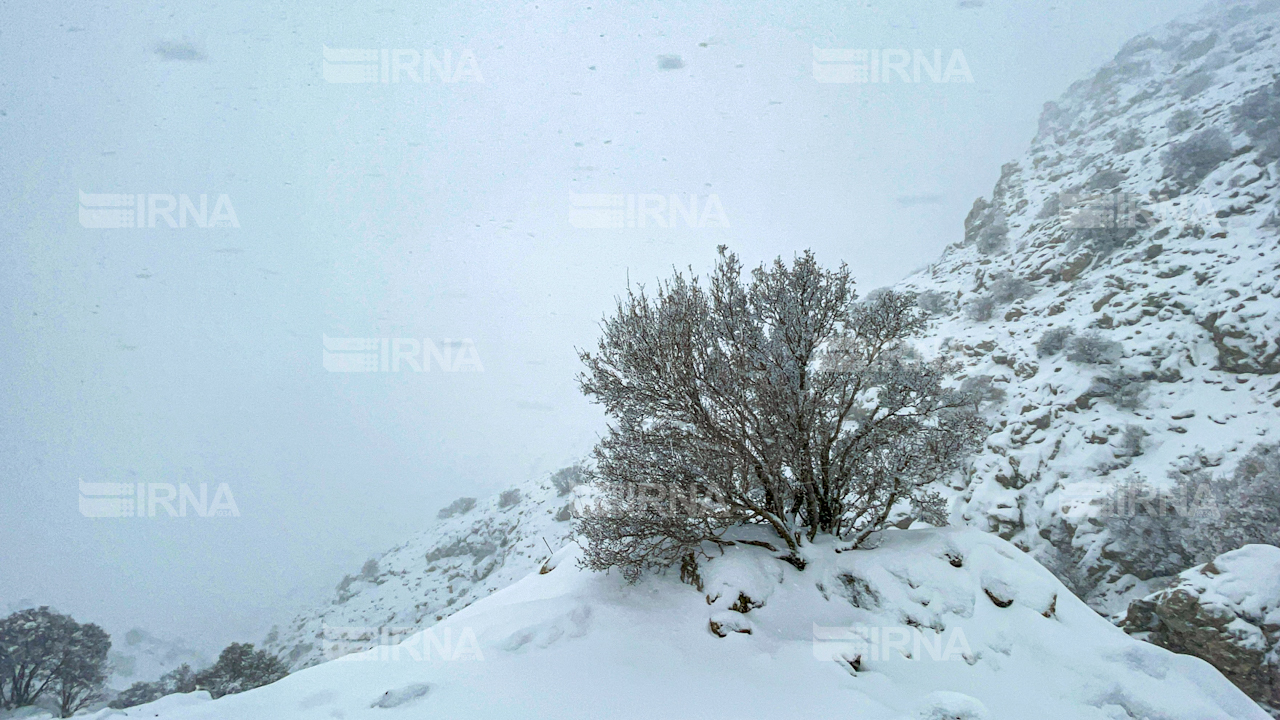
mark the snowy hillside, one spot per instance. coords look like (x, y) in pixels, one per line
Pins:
(468, 555)
(932, 624)
(139, 656)
(1140, 232)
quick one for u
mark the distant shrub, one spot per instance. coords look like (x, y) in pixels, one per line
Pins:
(981, 391)
(566, 479)
(509, 498)
(1092, 348)
(1129, 140)
(980, 308)
(1125, 390)
(181, 679)
(1190, 161)
(1195, 84)
(1182, 121)
(1053, 341)
(934, 302)
(1259, 117)
(1009, 288)
(1162, 532)
(461, 506)
(993, 237)
(369, 570)
(1052, 207)
(1106, 179)
(1131, 441)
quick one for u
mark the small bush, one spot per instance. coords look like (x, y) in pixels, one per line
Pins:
(1009, 288)
(1092, 348)
(981, 391)
(1193, 85)
(1131, 441)
(1259, 117)
(1159, 533)
(934, 303)
(566, 479)
(1181, 121)
(1128, 141)
(369, 570)
(980, 308)
(1053, 341)
(461, 506)
(508, 498)
(1124, 389)
(1190, 162)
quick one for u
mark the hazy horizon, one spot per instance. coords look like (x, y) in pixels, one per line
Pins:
(426, 211)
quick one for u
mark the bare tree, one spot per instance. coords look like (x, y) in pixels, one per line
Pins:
(780, 401)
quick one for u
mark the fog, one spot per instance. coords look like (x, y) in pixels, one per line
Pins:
(423, 210)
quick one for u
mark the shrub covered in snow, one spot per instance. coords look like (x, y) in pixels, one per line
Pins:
(1122, 388)
(1161, 532)
(1190, 161)
(1010, 288)
(1259, 117)
(981, 391)
(1182, 121)
(461, 506)
(566, 479)
(1053, 341)
(508, 498)
(934, 303)
(980, 308)
(789, 349)
(1092, 348)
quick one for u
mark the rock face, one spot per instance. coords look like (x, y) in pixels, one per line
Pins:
(1117, 299)
(1226, 612)
(475, 550)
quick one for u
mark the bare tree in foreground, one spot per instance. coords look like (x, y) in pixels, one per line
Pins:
(781, 400)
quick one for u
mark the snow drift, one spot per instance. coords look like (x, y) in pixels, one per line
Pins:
(931, 624)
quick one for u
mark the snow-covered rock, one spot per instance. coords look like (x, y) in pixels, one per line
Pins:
(1226, 611)
(1179, 301)
(931, 624)
(436, 573)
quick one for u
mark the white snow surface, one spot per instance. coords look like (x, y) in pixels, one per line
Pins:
(570, 643)
(432, 575)
(1194, 298)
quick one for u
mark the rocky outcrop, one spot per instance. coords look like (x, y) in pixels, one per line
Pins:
(1226, 612)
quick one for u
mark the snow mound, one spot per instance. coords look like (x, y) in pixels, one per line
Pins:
(949, 624)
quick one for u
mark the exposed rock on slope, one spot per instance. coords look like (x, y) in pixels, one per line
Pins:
(1227, 612)
(1118, 297)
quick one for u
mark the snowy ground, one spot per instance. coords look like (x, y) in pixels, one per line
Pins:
(965, 626)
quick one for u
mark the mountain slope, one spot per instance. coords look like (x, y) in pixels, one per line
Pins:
(574, 644)
(466, 556)
(1143, 218)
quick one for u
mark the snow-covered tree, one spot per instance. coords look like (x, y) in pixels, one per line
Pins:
(42, 651)
(781, 401)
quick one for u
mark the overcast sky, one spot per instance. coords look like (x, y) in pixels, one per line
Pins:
(422, 210)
